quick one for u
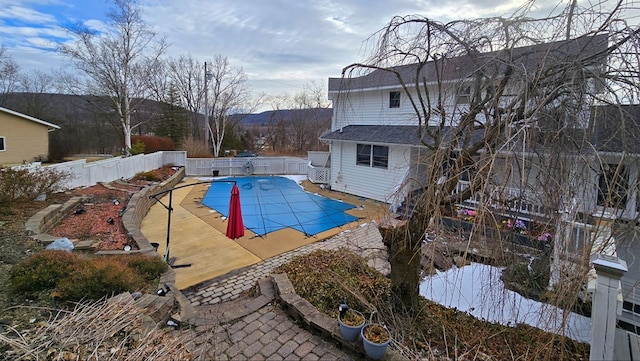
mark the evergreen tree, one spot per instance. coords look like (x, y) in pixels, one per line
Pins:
(174, 122)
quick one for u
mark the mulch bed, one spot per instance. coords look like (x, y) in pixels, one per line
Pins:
(100, 219)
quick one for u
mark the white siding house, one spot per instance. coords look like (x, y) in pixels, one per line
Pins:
(375, 111)
(375, 148)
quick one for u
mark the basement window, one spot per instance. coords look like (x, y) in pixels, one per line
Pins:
(2, 146)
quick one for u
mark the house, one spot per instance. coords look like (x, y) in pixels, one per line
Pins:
(23, 138)
(377, 140)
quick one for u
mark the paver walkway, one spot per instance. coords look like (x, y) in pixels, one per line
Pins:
(233, 328)
(255, 329)
(364, 240)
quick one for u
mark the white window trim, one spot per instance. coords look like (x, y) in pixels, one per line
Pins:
(371, 156)
(4, 143)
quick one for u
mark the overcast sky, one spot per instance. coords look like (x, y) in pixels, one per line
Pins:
(280, 44)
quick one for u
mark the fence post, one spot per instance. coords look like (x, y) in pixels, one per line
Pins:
(604, 310)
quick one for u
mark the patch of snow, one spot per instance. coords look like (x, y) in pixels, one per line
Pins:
(478, 290)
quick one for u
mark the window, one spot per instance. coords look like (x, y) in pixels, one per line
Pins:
(464, 94)
(394, 99)
(2, 146)
(612, 186)
(375, 156)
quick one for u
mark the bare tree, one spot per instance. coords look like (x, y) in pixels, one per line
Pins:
(306, 117)
(230, 94)
(118, 62)
(478, 89)
(187, 76)
(276, 133)
(9, 71)
(40, 89)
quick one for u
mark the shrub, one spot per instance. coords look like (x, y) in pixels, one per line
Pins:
(325, 278)
(41, 271)
(148, 176)
(21, 184)
(148, 267)
(152, 143)
(75, 278)
(196, 148)
(137, 148)
(99, 278)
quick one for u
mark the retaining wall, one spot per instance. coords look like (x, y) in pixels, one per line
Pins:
(38, 226)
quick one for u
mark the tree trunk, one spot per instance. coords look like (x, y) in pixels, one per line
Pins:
(405, 257)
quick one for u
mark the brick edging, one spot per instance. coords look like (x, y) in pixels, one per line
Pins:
(138, 207)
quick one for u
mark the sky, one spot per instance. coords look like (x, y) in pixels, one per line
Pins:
(280, 44)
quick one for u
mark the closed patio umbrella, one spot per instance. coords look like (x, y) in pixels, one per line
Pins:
(235, 226)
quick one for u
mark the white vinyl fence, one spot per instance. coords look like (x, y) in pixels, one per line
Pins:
(83, 173)
(245, 166)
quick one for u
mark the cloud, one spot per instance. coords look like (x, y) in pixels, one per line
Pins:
(281, 44)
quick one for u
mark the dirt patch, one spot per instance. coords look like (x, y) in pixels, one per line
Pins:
(15, 245)
(100, 218)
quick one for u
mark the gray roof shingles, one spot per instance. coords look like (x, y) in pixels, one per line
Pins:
(390, 134)
(590, 49)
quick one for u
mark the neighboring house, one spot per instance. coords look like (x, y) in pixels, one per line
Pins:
(23, 139)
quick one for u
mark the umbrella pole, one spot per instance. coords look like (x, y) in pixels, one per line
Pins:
(169, 209)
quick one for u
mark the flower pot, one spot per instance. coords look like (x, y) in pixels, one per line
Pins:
(375, 338)
(350, 329)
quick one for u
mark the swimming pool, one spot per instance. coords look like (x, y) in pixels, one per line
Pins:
(272, 203)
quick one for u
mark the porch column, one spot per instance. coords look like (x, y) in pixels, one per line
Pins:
(604, 311)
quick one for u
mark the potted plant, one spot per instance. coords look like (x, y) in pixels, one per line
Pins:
(351, 322)
(375, 338)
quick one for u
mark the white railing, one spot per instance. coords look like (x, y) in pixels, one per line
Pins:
(505, 198)
(318, 175)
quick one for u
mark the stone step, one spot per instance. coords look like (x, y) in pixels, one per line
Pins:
(85, 245)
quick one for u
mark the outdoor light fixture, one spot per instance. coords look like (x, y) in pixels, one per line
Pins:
(343, 307)
(163, 291)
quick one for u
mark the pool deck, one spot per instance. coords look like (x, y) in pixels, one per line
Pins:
(198, 234)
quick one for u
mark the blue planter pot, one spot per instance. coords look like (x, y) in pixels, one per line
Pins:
(348, 332)
(374, 350)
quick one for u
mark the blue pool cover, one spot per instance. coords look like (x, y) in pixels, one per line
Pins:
(273, 203)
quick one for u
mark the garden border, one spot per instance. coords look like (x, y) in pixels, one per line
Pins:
(137, 208)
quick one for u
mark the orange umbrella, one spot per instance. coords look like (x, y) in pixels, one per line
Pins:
(235, 226)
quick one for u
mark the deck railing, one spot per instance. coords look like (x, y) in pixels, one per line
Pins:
(505, 198)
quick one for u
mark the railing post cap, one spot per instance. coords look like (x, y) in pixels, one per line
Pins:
(609, 264)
